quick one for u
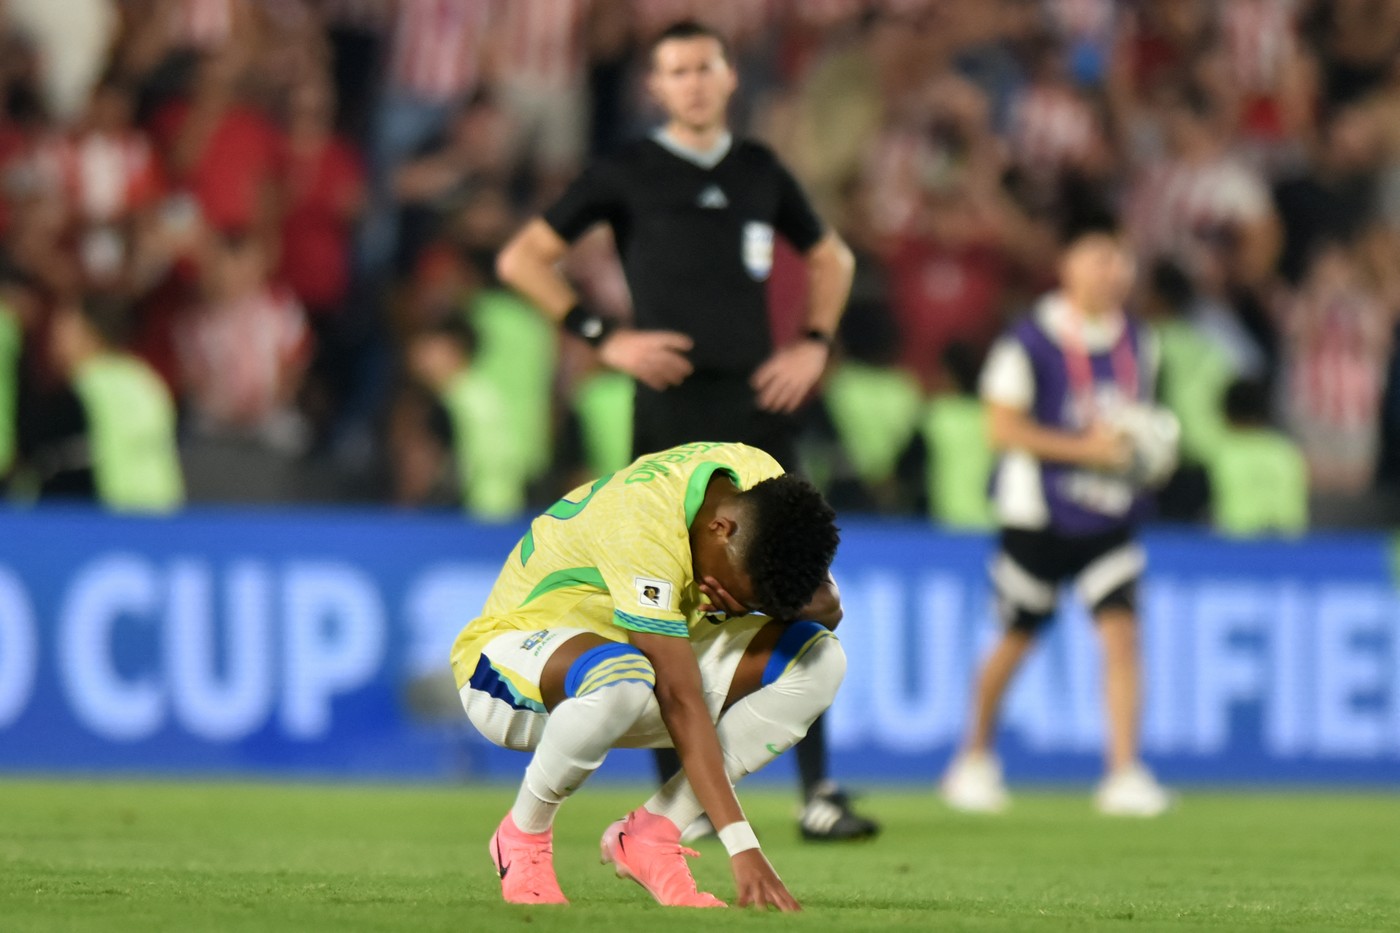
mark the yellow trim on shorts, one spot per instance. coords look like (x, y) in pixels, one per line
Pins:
(617, 669)
(523, 685)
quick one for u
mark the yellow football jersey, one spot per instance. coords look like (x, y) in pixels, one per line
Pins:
(613, 556)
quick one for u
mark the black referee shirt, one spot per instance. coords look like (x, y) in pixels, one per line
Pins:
(696, 243)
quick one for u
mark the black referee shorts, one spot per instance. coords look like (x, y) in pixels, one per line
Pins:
(1030, 566)
(711, 407)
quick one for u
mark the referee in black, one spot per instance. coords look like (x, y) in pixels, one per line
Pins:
(694, 212)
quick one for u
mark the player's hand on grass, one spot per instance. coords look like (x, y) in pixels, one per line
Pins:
(758, 885)
(656, 358)
(787, 377)
(1105, 448)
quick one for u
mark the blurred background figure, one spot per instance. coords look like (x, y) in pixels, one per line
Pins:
(433, 64)
(376, 155)
(11, 343)
(72, 41)
(490, 473)
(1258, 476)
(242, 350)
(321, 195)
(1336, 340)
(129, 415)
(1068, 508)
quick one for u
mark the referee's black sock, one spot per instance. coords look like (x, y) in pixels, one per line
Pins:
(668, 764)
(811, 757)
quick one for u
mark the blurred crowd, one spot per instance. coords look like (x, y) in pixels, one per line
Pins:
(288, 211)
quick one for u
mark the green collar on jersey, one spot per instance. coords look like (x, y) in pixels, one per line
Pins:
(699, 482)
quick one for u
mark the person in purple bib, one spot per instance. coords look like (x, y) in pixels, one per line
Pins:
(1065, 390)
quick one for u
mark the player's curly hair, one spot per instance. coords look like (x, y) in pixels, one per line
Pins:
(792, 542)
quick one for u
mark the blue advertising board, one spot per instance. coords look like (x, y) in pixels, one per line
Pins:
(316, 642)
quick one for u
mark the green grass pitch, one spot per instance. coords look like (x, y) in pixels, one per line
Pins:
(154, 856)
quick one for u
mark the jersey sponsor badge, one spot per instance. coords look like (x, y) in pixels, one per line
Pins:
(655, 594)
(758, 249)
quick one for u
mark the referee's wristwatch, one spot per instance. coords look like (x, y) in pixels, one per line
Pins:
(819, 336)
(588, 324)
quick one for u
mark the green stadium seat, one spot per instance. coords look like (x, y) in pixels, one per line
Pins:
(489, 455)
(9, 386)
(1195, 375)
(517, 350)
(131, 425)
(875, 411)
(960, 462)
(603, 406)
(1259, 484)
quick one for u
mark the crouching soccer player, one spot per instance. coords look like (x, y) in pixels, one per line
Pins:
(625, 619)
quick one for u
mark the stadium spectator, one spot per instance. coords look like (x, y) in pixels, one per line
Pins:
(1384, 106)
(1258, 478)
(882, 104)
(1204, 119)
(1337, 340)
(1201, 206)
(434, 65)
(220, 150)
(1271, 84)
(471, 156)
(939, 138)
(207, 25)
(358, 34)
(950, 277)
(291, 49)
(37, 244)
(1055, 386)
(71, 41)
(1056, 129)
(321, 190)
(695, 212)
(486, 453)
(1356, 40)
(1195, 343)
(536, 59)
(1160, 46)
(105, 174)
(1338, 195)
(127, 410)
(1088, 31)
(243, 349)
(321, 195)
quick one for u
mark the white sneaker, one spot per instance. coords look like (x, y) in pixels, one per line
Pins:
(973, 784)
(1132, 791)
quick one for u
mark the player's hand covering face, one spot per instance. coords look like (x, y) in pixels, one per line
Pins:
(722, 597)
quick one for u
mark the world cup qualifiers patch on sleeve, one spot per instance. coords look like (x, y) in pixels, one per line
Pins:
(653, 593)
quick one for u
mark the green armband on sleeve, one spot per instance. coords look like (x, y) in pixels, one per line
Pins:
(675, 628)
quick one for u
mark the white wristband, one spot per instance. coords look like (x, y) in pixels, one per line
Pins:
(738, 837)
